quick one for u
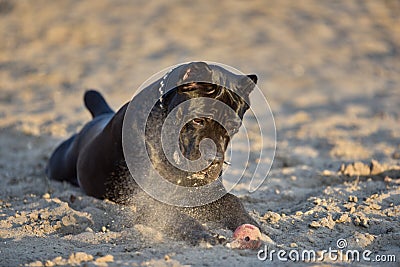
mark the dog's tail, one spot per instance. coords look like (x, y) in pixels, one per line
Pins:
(96, 103)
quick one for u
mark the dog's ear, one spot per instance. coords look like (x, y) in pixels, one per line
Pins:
(196, 72)
(253, 77)
(248, 82)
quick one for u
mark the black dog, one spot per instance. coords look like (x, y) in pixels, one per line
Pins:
(94, 158)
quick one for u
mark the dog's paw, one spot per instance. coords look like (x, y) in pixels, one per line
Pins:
(204, 238)
(220, 239)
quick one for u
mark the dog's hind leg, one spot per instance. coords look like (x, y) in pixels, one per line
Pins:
(62, 163)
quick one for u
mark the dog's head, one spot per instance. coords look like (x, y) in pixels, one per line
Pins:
(201, 82)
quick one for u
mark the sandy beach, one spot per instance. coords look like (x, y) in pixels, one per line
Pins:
(329, 70)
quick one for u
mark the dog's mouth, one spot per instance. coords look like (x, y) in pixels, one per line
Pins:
(212, 156)
(203, 177)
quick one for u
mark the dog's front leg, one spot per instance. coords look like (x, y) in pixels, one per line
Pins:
(174, 223)
(227, 211)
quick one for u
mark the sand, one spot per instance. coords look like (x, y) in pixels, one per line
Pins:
(329, 69)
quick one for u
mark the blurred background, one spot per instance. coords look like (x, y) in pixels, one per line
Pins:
(329, 69)
(316, 52)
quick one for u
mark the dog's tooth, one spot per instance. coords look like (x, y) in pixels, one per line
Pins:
(176, 157)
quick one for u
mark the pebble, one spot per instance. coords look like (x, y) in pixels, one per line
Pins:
(343, 218)
(328, 222)
(49, 263)
(309, 212)
(59, 261)
(355, 169)
(326, 172)
(361, 221)
(375, 206)
(353, 199)
(78, 257)
(36, 264)
(376, 167)
(396, 155)
(106, 258)
(317, 201)
(271, 217)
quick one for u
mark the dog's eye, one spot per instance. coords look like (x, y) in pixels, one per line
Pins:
(210, 90)
(232, 127)
(199, 122)
(234, 131)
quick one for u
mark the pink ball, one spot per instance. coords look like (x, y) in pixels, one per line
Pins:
(246, 236)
